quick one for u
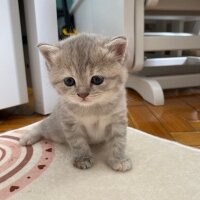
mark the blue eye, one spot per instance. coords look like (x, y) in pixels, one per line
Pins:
(97, 80)
(69, 81)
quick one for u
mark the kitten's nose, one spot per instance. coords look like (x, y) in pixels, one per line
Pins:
(83, 95)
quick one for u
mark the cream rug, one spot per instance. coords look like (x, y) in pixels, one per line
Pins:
(162, 170)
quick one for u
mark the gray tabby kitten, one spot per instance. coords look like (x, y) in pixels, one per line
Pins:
(88, 73)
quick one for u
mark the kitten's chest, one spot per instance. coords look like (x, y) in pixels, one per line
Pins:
(95, 127)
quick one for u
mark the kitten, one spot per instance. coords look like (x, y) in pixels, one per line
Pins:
(88, 73)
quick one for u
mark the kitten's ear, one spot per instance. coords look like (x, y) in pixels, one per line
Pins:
(49, 52)
(117, 46)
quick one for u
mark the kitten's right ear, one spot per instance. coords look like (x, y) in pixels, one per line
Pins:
(49, 52)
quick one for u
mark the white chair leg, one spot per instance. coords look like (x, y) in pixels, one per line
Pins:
(129, 30)
(148, 88)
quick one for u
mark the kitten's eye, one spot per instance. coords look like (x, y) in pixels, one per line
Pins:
(97, 80)
(69, 81)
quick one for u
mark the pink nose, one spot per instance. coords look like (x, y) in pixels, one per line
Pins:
(83, 95)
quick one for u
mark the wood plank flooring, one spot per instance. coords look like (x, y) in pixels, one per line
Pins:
(178, 120)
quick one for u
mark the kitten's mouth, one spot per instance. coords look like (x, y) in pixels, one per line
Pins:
(83, 97)
(84, 101)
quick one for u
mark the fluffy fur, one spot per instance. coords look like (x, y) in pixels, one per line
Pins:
(99, 117)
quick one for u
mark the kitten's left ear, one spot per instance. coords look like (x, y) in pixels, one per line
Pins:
(117, 46)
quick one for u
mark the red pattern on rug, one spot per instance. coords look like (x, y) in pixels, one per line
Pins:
(14, 164)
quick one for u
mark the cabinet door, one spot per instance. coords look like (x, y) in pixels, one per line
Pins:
(41, 26)
(13, 88)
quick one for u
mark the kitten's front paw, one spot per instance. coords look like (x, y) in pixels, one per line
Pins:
(83, 162)
(121, 165)
(28, 139)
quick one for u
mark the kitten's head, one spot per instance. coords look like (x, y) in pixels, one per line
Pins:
(87, 69)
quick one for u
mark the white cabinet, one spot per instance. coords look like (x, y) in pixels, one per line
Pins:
(13, 88)
(41, 26)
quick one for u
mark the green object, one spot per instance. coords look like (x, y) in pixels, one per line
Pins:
(69, 3)
(59, 3)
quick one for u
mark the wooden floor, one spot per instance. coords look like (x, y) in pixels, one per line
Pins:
(178, 119)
